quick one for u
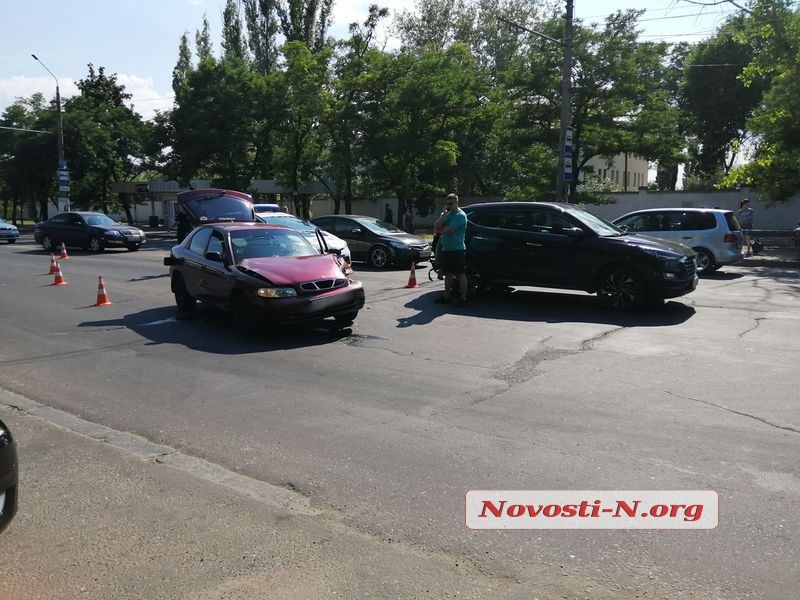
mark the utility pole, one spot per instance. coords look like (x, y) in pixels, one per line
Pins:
(565, 135)
(564, 177)
(62, 173)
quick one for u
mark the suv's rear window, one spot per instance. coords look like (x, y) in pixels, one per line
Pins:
(730, 219)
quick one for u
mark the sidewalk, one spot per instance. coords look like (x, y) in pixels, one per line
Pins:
(779, 251)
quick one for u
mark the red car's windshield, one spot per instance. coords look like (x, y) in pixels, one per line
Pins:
(263, 243)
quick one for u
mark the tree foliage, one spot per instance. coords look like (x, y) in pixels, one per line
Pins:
(469, 102)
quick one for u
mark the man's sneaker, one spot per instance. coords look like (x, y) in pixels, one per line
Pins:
(442, 300)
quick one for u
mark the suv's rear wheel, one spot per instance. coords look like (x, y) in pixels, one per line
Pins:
(705, 261)
(620, 288)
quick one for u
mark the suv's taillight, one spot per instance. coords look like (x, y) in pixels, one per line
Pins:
(730, 238)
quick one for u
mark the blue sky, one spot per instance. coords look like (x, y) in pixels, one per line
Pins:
(138, 39)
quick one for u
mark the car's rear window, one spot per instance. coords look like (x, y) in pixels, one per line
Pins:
(733, 224)
(220, 208)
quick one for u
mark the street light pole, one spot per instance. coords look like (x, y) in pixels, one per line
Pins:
(565, 170)
(565, 131)
(62, 174)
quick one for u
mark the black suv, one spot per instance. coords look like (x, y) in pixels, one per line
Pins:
(562, 246)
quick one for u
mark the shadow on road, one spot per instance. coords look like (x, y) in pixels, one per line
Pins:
(213, 331)
(547, 307)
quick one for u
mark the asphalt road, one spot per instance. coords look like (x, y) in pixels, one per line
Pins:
(179, 458)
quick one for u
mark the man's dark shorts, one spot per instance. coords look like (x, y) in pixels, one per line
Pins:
(452, 261)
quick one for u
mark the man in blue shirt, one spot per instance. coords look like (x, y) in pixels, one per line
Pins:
(451, 249)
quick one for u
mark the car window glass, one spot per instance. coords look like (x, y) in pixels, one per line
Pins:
(701, 220)
(200, 241)
(344, 226)
(517, 220)
(74, 220)
(377, 226)
(560, 224)
(674, 221)
(269, 243)
(215, 243)
(733, 224)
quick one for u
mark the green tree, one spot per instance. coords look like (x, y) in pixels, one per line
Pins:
(413, 108)
(773, 29)
(104, 141)
(28, 156)
(300, 142)
(233, 42)
(718, 102)
(262, 28)
(219, 127)
(305, 21)
(343, 124)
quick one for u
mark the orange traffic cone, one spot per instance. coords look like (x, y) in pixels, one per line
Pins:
(59, 280)
(53, 264)
(102, 295)
(64, 255)
(412, 277)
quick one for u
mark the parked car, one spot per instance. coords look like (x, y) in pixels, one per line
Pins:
(562, 246)
(307, 228)
(88, 230)
(8, 476)
(263, 272)
(269, 207)
(8, 232)
(377, 242)
(714, 234)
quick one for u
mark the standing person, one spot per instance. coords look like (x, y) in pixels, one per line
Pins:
(408, 219)
(184, 224)
(388, 214)
(745, 217)
(452, 250)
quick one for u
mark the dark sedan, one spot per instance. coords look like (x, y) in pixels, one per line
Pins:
(377, 242)
(88, 230)
(263, 272)
(8, 476)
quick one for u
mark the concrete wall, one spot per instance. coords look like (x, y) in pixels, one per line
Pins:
(768, 216)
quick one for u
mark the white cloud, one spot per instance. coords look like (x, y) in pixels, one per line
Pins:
(146, 98)
(12, 88)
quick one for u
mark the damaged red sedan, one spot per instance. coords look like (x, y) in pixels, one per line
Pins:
(263, 273)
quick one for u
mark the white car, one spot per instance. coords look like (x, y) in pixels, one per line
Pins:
(307, 228)
(713, 233)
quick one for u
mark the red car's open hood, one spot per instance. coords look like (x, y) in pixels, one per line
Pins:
(291, 270)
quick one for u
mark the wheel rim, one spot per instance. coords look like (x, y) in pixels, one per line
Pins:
(620, 289)
(95, 245)
(378, 257)
(703, 261)
(47, 243)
